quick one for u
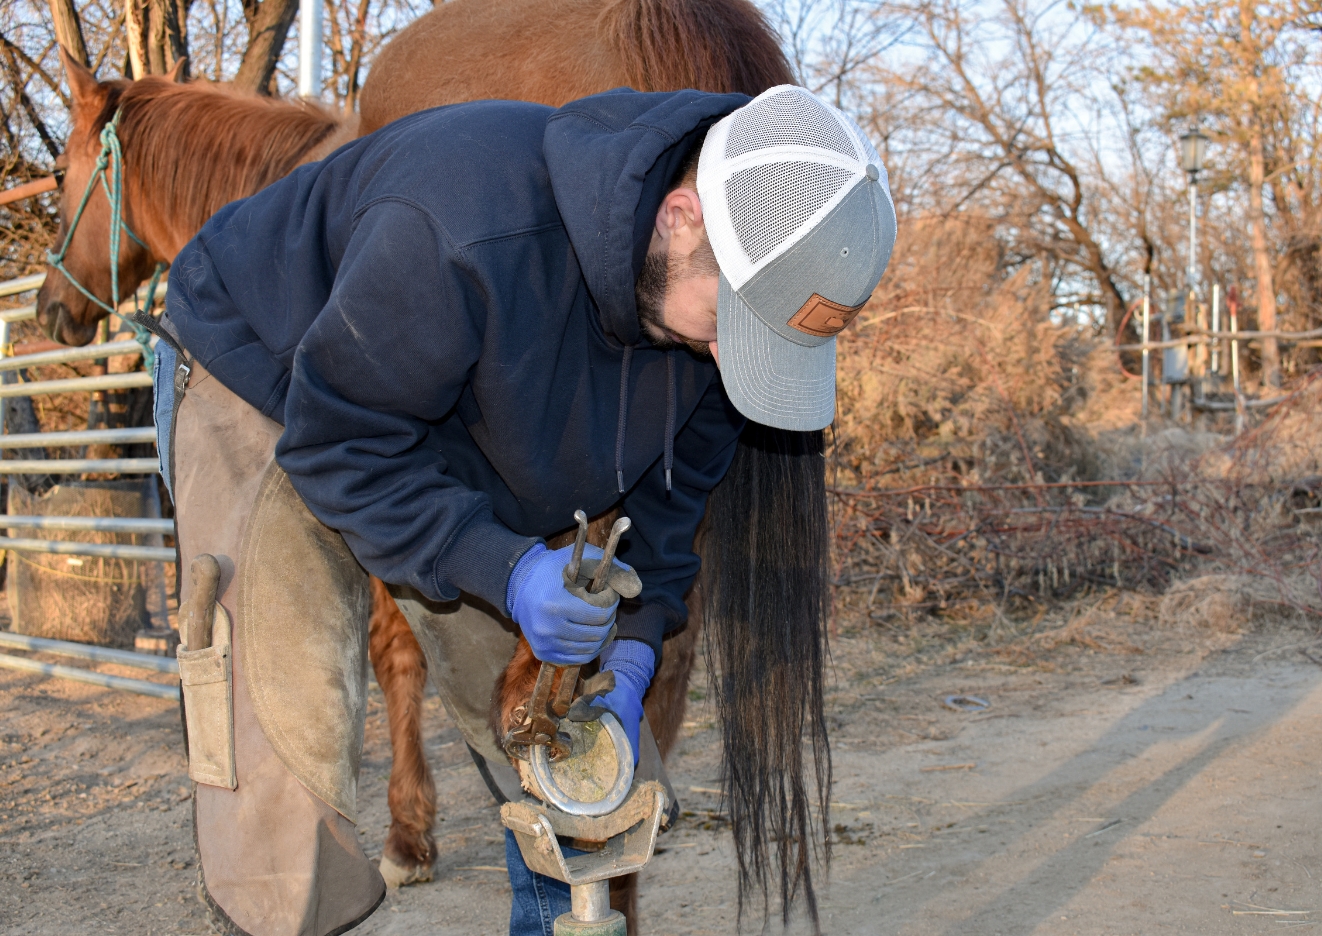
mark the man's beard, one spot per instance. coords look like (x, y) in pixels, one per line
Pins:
(659, 270)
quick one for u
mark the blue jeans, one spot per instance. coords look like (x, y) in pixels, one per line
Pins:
(162, 379)
(538, 899)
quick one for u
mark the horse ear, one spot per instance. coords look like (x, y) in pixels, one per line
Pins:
(176, 72)
(82, 83)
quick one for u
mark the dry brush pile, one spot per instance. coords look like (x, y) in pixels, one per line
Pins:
(989, 461)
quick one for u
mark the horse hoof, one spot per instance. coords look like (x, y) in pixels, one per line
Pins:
(402, 876)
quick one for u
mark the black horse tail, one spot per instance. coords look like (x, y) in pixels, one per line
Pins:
(765, 601)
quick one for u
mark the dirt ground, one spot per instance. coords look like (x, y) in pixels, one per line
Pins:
(1125, 779)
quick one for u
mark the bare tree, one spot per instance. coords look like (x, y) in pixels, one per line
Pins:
(831, 42)
(268, 26)
(69, 29)
(996, 92)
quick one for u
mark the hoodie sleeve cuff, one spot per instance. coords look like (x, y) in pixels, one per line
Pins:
(645, 622)
(479, 560)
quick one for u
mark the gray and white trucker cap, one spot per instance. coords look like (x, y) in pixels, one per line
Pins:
(800, 217)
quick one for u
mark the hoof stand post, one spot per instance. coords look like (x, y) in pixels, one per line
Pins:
(628, 837)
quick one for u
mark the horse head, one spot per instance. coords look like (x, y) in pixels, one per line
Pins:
(64, 311)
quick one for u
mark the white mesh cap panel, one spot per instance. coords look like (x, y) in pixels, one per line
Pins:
(789, 117)
(773, 169)
(770, 202)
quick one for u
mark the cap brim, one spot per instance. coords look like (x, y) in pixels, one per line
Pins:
(770, 380)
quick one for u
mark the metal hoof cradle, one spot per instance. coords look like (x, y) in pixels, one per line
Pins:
(627, 836)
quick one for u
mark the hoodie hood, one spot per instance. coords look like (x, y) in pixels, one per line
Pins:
(611, 158)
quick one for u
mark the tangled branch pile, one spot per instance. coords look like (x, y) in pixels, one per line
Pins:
(989, 455)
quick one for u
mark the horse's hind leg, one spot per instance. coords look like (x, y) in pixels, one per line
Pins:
(624, 898)
(667, 698)
(401, 671)
(665, 704)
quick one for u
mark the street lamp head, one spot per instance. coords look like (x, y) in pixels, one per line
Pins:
(1193, 148)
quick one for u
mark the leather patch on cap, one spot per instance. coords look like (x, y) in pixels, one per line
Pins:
(823, 318)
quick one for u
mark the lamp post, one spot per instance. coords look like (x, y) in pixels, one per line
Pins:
(1193, 148)
(309, 49)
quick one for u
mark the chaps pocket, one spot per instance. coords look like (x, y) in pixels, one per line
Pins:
(207, 677)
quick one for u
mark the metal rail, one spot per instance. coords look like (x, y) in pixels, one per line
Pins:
(40, 466)
(134, 525)
(20, 314)
(78, 437)
(22, 284)
(23, 313)
(65, 355)
(105, 680)
(84, 651)
(76, 384)
(96, 550)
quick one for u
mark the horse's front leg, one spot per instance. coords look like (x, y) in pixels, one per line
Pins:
(401, 671)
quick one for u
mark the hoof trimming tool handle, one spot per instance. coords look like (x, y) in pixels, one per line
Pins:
(608, 556)
(580, 541)
(201, 612)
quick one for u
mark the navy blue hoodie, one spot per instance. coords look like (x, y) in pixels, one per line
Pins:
(442, 317)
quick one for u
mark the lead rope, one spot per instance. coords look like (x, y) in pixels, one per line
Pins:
(112, 158)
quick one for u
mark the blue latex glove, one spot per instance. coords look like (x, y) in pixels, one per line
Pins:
(561, 628)
(633, 663)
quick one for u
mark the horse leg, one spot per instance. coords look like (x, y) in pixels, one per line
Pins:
(668, 697)
(401, 671)
(665, 704)
(624, 898)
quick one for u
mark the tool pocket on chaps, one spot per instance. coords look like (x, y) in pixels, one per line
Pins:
(207, 677)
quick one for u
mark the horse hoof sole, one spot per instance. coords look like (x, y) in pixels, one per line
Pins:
(401, 876)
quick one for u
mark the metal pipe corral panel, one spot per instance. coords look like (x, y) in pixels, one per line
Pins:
(75, 384)
(79, 437)
(22, 284)
(141, 525)
(97, 550)
(88, 652)
(64, 355)
(39, 466)
(140, 686)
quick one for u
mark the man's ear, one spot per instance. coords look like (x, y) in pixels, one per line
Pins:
(680, 215)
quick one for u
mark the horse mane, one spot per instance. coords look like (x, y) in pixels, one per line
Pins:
(713, 45)
(169, 130)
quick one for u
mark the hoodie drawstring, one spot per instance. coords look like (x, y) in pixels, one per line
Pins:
(624, 417)
(668, 459)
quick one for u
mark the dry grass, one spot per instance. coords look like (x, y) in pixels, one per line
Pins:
(990, 468)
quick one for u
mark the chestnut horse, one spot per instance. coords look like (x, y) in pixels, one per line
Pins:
(189, 149)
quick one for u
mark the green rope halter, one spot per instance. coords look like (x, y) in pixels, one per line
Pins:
(112, 158)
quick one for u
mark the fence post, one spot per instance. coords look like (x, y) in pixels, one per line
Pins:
(1234, 369)
(4, 351)
(1147, 363)
(1216, 328)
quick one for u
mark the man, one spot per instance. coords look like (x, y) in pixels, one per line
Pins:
(419, 358)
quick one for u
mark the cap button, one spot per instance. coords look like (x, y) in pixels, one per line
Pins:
(873, 172)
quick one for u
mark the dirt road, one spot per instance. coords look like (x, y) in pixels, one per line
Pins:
(1123, 781)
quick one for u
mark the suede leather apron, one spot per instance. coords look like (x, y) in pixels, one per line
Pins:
(279, 854)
